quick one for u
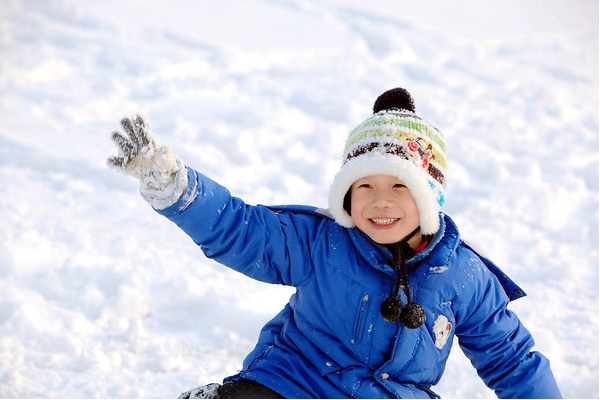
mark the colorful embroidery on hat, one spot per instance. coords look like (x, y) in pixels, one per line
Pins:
(425, 150)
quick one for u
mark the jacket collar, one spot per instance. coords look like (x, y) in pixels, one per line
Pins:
(440, 250)
(442, 247)
(435, 258)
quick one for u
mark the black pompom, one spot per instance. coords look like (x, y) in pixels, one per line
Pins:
(394, 99)
(412, 316)
(391, 308)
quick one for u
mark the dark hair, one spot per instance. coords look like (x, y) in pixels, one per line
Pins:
(348, 202)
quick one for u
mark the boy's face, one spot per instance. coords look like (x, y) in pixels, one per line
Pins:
(384, 209)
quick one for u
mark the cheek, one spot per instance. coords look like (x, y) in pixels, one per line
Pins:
(357, 205)
(412, 210)
(355, 208)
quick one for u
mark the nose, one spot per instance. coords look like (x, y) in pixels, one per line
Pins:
(382, 199)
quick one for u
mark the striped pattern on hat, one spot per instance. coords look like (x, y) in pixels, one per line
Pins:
(404, 134)
(395, 142)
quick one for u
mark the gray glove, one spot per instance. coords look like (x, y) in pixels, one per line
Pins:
(209, 391)
(162, 175)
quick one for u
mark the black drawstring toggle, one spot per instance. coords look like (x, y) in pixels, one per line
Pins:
(391, 309)
(412, 315)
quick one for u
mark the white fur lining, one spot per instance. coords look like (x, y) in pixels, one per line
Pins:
(169, 194)
(374, 164)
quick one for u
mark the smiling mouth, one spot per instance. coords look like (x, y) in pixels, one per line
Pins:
(383, 221)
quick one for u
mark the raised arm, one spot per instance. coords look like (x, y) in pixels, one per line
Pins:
(257, 241)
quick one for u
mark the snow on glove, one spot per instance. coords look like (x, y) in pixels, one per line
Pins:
(163, 177)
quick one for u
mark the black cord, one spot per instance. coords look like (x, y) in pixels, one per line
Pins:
(412, 315)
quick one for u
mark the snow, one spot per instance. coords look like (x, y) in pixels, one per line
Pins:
(102, 298)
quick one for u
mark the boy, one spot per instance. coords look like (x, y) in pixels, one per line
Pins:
(383, 280)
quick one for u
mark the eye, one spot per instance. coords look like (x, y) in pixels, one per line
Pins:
(365, 185)
(399, 185)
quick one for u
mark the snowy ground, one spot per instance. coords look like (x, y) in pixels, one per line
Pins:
(100, 297)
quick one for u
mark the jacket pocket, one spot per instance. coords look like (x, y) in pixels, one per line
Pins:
(360, 328)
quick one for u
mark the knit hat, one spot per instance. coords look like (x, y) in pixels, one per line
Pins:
(394, 141)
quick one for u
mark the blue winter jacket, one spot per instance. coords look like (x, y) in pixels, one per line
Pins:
(330, 340)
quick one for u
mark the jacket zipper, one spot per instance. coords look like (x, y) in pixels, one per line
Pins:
(358, 330)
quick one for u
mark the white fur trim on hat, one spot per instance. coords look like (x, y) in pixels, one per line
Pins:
(375, 163)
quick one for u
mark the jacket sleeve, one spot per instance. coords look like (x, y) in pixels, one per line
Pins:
(254, 240)
(497, 343)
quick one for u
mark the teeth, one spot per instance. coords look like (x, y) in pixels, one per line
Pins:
(384, 221)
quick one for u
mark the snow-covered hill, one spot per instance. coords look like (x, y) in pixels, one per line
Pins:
(100, 297)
